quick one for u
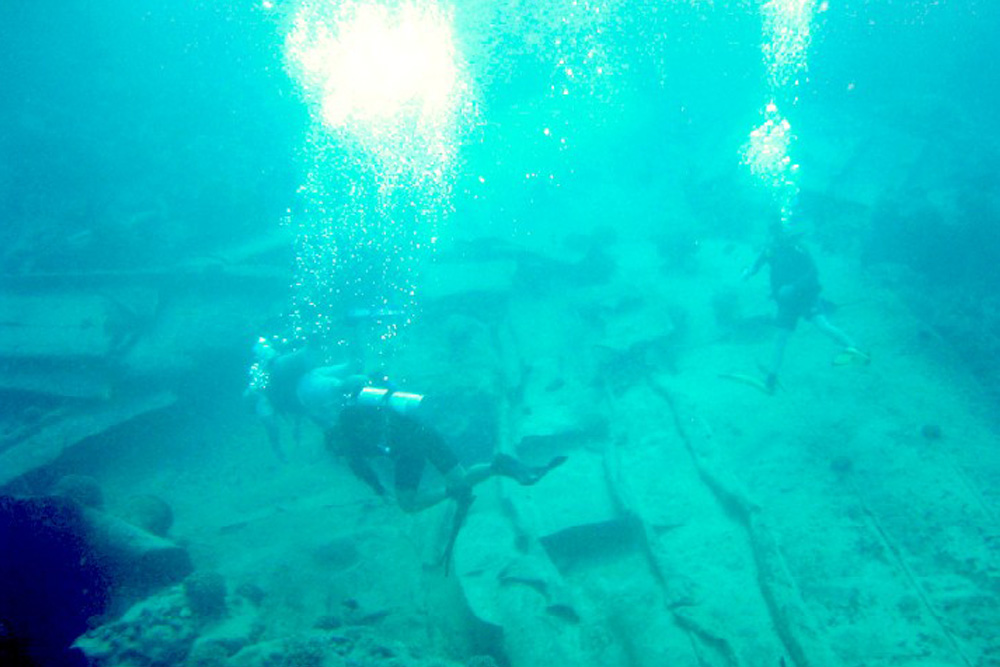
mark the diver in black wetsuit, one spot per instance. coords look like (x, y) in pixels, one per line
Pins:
(361, 421)
(378, 422)
(795, 287)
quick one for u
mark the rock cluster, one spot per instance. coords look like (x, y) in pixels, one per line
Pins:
(172, 628)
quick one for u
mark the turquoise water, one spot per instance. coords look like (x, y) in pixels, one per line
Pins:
(535, 214)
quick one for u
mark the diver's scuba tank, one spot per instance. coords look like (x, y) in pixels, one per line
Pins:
(402, 402)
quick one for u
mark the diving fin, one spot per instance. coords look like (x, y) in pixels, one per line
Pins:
(751, 380)
(851, 355)
(522, 473)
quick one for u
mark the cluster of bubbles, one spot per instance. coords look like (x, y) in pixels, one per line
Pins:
(391, 98)
(389, 103)
(787, 33)
(767, 153)
(390, 88)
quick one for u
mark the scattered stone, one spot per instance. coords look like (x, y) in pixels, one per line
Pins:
(155, 631)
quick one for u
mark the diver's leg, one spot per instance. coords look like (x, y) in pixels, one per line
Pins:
(458, 485)
(459, 482)
(777, 357)
(520, 472)
(477, 474)
(412, 500)
(269, 418)
(409, 496)
(824, 325)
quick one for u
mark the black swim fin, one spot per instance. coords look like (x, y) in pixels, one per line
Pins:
(522, 473)
(462, 506)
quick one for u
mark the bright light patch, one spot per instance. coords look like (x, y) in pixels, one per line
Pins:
(368, 63)
(389, 104)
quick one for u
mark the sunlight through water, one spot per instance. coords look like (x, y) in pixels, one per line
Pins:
(389, 101)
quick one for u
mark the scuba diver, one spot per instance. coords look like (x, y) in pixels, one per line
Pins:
(795, 287)
(380, 422)
(362, 421)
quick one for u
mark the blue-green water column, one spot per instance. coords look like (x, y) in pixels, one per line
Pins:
(389, 101)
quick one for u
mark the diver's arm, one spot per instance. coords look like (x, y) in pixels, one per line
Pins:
(758, 264)
(359, 466)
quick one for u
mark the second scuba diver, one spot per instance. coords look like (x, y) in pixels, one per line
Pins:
(795, 288)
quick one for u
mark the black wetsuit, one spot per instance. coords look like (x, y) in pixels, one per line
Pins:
(366, 431)
(795, 283)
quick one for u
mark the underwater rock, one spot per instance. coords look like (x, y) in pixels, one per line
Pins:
(541, 274)
(159, 630)
(300, 651)
(138, 560)
(243, 627)
(250, 591)
(81, 488)
(206, 594)
(575, 503)
(65, 324)
(311, 649)
(357, 647)
(562, 417)
(150, 513)
(73, 563)
(481, 661)
(447, 280)
(207, 654)
(328, 622)
(50, 585)
(52, 437)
